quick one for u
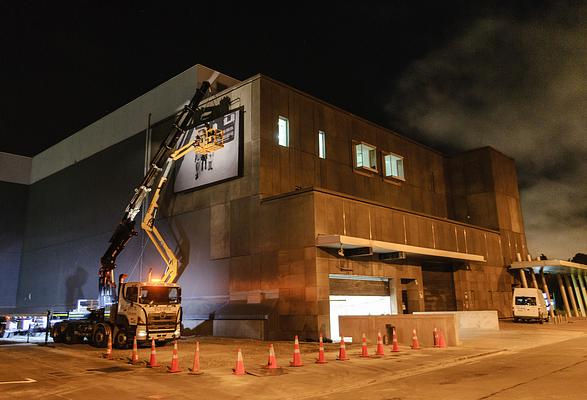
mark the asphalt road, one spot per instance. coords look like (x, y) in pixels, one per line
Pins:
(556, 371)
(519, 362)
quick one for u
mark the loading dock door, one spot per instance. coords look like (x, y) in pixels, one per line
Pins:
(357, 295)
(439, 288)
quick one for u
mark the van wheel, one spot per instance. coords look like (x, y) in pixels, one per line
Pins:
(516, 320)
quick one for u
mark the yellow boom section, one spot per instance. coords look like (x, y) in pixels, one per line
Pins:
(208, 142)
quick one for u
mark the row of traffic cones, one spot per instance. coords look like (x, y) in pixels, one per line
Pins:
(438, 339)
(439, 342)
(134, 358)
(239, 368)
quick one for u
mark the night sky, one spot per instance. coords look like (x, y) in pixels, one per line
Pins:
(453, 75)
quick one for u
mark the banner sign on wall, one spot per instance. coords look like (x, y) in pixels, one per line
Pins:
(196, 170)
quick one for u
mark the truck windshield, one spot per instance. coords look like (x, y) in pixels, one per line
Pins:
(525, 301)
(159, 295)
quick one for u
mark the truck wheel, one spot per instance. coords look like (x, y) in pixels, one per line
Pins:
(56, 335)
(70, 336)
(120, 339)
(100, 337)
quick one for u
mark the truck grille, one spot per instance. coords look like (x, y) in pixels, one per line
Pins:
(159, 322)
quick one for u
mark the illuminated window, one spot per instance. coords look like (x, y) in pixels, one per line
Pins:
(283, 131)
(393, 166)
(366, 156)
(321, 144)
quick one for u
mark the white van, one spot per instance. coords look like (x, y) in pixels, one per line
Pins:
(529, 304)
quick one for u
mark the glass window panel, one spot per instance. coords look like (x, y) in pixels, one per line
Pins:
(283, 131)
(321, 144)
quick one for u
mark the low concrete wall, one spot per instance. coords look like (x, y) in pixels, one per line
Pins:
(251, 329)
(471, 320)
(355, 326)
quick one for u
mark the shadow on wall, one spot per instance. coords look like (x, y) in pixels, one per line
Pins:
(182, 248)
(73, 287)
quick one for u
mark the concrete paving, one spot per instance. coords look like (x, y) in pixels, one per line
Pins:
(73, 372)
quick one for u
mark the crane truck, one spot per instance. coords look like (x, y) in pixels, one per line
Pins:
(151, 309)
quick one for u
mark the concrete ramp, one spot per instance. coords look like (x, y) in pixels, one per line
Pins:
(471, 322)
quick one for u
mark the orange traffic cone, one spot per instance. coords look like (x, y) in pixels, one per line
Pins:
(195, 369)
(271, 362)
(108, 354)
(441, 341)
(415, 343)
(394, 346)
(364, 351)
(153, 360)
(239, 369)
(134, 356)
(297, 357)
(342, 351)
(380, 351)
(174, 360)
(320, 359)
(435, 337)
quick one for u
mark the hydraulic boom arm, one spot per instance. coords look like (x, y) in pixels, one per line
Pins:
(211, 140)
(125, 229)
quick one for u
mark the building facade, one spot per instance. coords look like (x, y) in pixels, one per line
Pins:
(328, 215)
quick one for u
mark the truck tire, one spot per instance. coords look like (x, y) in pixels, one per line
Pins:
(70, 337)
(120, 338)
(57, 335)
(100, 336)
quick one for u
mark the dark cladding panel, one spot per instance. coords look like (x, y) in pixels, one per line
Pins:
(439, 288)
(355, 287)
(57, 276)
(70, 218)
(13, 200)
(86, 198)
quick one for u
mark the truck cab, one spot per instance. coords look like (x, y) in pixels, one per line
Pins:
(528, 304)
(147, 310)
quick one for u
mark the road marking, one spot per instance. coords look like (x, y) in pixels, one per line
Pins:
(27, 380)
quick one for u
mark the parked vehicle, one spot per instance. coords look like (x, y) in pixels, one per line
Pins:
(528, 304)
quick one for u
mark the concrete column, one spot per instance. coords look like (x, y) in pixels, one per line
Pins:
(545, 289)
(533, 276)
(583, 290)
(579, 296)
(584, 280)
(523, 278)
(571, 295)
(561, 287)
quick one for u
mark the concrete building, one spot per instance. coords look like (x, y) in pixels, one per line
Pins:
(323, 214)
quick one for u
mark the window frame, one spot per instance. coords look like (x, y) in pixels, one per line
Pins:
(279, 119)
(322, 154)
(127, 293)
(392, 177)
(369, 169)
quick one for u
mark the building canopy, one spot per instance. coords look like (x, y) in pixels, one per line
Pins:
(551, 266)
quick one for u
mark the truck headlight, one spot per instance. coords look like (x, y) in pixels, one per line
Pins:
(141, 331)
(177, 332)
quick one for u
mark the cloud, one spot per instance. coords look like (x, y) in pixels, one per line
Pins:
(520, 87)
